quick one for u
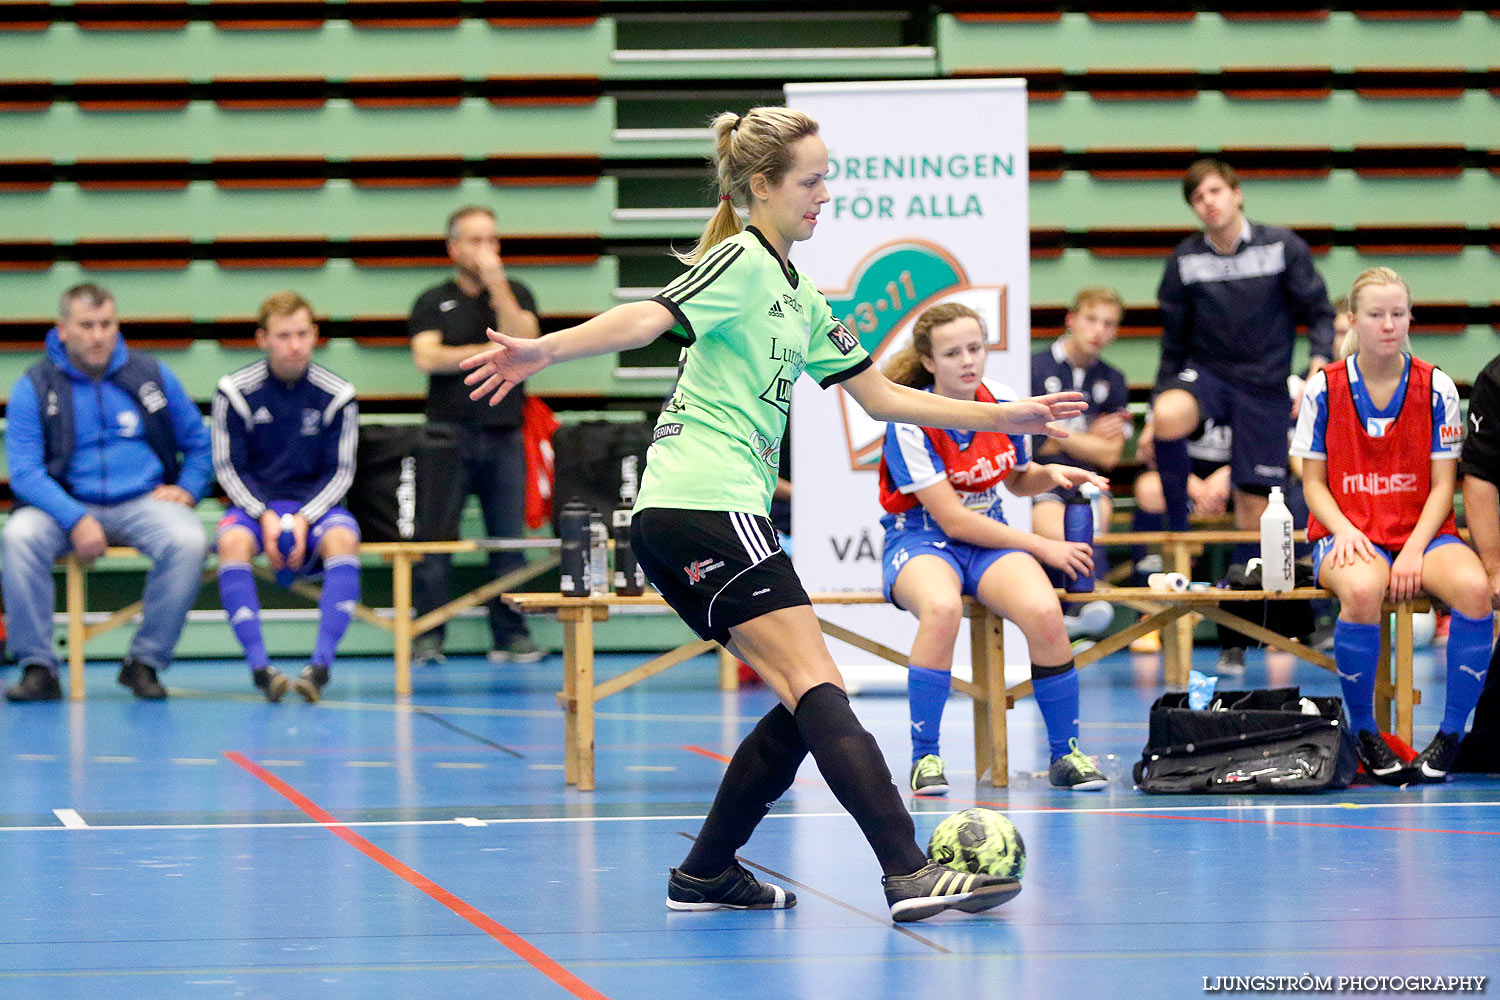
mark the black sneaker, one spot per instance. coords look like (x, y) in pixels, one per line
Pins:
(1381, 762)
(312, 681)
(271, 681)
(1076, 770)
(37, 683)
(1433, 764)
(141, 679)
(732, 889)
(935, 888)
(927, 777)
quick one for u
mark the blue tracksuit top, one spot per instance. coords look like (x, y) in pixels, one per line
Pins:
(111, 460)
(1237, 314)
(274, 440)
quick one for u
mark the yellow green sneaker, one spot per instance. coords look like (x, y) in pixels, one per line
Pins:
(927, 776)
(1076, 770)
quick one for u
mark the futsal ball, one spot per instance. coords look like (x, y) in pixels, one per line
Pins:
(981, 841)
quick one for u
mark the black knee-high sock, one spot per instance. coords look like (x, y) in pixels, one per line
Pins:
(851, 763)
(761, 770)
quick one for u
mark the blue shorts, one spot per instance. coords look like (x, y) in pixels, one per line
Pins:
(1258, 417)
(1322, 546)
(336, 517)
(968, 561)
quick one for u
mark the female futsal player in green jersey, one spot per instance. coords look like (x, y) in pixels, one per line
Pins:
(751, 325)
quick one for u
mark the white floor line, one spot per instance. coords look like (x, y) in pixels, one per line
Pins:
(698, 818)
(70, 819)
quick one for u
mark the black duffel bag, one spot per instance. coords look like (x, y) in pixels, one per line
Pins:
(407, 483)
(1247, 741)
(599, 463)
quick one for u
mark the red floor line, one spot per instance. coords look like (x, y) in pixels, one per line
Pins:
(533, 956)
(725, 760)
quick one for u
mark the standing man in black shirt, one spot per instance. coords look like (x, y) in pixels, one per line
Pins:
(447, 325)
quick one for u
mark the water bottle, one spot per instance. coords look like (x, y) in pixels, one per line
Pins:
(1078, 526)
(573, 530)
(598, 555)
(629, 580)
(284, 542)
(1276, 554)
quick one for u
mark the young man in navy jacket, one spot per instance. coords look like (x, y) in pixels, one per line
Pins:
(285, 432)
(1232, 297)
(104, 446)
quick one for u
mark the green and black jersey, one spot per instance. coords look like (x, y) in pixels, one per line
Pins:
(751, 326)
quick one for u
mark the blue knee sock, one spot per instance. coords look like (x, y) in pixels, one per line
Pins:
(927, 693)
(1056, 691)
(335, 605)
(1174, 466)
(1356, 654)
(242, 605)
(1468, 661)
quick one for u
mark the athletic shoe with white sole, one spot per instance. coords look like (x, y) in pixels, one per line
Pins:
(732, 889)
(1076, 770)
(312, 681)
(272, 682)
(927, 777)
(935, 888)
(1381, 762)
(1434, 763)
(1090, 619)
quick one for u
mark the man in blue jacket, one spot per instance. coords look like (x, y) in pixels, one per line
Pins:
(104, 447)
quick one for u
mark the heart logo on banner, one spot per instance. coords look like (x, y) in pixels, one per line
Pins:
(893, 283)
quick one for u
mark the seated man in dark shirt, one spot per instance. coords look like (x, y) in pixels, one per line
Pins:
(284, 437)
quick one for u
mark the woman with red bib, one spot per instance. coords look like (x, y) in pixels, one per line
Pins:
(946, 536)
(1379, 434)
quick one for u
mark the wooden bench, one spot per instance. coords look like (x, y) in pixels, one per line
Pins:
(991, 698)
(400, 555)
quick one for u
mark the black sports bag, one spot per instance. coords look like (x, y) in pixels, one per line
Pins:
(1247, 741)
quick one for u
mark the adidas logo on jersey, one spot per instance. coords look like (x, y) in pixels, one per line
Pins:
(775, 311)
(262, 416)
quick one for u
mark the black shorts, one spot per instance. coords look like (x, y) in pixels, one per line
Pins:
(717, 569)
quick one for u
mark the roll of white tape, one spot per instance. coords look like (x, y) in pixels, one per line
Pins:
(1167, 581)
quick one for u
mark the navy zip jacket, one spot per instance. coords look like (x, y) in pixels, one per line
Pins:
(1236, 314)
(274, 440)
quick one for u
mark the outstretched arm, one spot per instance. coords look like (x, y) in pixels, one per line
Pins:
(886, 400)
(494, 372)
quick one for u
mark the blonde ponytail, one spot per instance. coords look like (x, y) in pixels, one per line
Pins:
(758, 142)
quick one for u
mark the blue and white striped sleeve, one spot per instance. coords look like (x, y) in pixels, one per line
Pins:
(1312, 420)
(1447, 417)
(910, 458)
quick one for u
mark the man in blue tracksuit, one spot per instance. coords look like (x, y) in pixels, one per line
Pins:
(285, 432)
(104, 446)
(1231, 299)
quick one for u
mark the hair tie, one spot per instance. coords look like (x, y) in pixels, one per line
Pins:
(736, 125)
(723, 197)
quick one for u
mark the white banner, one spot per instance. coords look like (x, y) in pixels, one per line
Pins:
(928, 182)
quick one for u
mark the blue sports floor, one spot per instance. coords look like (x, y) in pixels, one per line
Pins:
(218, 846)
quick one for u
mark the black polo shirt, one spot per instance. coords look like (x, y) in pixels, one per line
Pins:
(462, 319)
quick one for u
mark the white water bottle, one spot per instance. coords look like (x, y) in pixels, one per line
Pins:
(1276, 553)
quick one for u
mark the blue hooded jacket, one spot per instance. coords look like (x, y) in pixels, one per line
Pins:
(111, 461)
